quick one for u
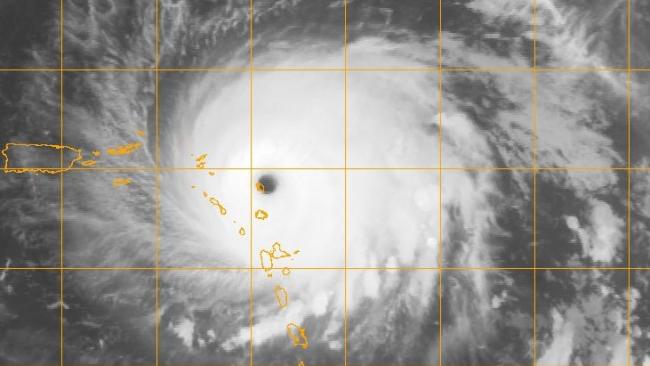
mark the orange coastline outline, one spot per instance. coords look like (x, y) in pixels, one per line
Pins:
(8, 169)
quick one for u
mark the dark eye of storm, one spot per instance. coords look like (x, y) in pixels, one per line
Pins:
(266, 184)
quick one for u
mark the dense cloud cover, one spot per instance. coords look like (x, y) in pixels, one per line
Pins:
(393, 216)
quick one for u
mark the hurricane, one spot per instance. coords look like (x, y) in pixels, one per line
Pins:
(448, 182)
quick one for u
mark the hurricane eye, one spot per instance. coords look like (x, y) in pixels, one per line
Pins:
(266, 184)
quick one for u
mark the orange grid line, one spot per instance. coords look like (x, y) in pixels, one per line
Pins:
(251, 72)
(144, 364)
(157, 186)
(345, 182)
(628, 97)
(61, 197)
(534, 165)
(460, 268)
(212, 364)
(433, 69)
(406, 269)
(427, 169)
(440, 252)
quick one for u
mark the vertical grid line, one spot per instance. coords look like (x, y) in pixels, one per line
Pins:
(628, 101)
(157, 183)
(440, 252)
(345, 182)
(61, 257)
(250, 176)
(533, 113)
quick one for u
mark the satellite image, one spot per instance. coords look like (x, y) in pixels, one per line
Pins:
(325, 182)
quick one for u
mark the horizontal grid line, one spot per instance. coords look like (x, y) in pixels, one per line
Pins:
(277, 364)
(326, 268)
(243, 70)
(432, 169)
